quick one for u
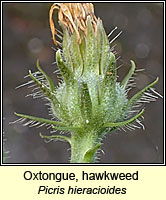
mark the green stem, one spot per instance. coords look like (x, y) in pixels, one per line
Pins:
(84, 147)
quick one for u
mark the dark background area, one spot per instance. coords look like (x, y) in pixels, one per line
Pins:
(26, 37)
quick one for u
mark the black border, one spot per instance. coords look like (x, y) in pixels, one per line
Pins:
(81, 164)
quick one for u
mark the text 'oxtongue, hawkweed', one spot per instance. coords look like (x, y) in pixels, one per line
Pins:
(89, 103)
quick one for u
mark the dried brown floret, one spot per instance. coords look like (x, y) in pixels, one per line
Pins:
(73, 16)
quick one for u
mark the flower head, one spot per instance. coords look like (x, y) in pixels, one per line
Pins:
(89, 102)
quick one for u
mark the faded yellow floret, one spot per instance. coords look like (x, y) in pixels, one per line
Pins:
(73, 16)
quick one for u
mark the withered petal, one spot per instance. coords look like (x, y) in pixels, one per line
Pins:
(73, 16)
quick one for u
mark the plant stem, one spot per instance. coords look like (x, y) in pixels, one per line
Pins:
(84, 147)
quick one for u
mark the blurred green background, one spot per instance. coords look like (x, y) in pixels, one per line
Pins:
(27, 36)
